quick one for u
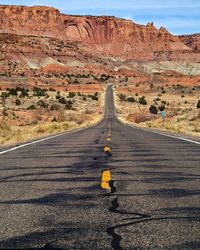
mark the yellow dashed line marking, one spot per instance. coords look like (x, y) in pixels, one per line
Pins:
(108, 139)
(106, 177)
(107, 149)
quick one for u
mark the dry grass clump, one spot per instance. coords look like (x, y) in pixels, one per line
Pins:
(9, 133)
(139, 117)
(12, 134)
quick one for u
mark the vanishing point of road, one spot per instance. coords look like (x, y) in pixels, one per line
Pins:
(51, 195)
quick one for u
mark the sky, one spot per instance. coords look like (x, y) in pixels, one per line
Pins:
(178, 16)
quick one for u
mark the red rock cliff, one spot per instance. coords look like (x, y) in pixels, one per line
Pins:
(36, 21)
(108, 35)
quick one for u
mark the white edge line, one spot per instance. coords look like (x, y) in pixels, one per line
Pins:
(48, 138)
(176, 137)
(151, 131)
(158, 133)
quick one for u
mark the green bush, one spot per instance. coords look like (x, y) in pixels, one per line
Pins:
(18, 102)
(153, 109)
(142, 100)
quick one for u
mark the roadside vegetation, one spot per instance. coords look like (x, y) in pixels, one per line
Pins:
(37, 112)
(142, 105)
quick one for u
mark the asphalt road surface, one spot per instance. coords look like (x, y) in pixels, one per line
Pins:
(51, 198)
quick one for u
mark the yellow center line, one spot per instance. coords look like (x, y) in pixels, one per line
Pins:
(106, 177)
(107, 149)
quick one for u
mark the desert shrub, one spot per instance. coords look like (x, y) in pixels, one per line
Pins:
(68, 106)
(5, 112)
(12, 91)
(162, 108)
(54, 107)
(5, 95)
(198, 104)
(140, 117)
(94, 97)
(24, 92)
(142, 100)
(163, 90)
(122, 97)
(71, 95)
(54, 119)
(31, 107)
(130, 99)
(84, 98)
(42, 104)
(70, 102)
(79, 119)
(58, 96)
(75, 81)
(38, 92)
(17, 101)
(4, 128)
(153, 109)
(62, 100)
(52, 89)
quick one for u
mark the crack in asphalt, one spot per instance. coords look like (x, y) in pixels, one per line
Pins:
(111, 230)
(114, 209)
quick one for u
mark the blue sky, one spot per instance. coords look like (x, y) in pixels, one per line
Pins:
(178, 16)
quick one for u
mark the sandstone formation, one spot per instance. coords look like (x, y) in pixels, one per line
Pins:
(108, 36)
(192, 41)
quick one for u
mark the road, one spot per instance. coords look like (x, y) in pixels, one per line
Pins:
(51, 196)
